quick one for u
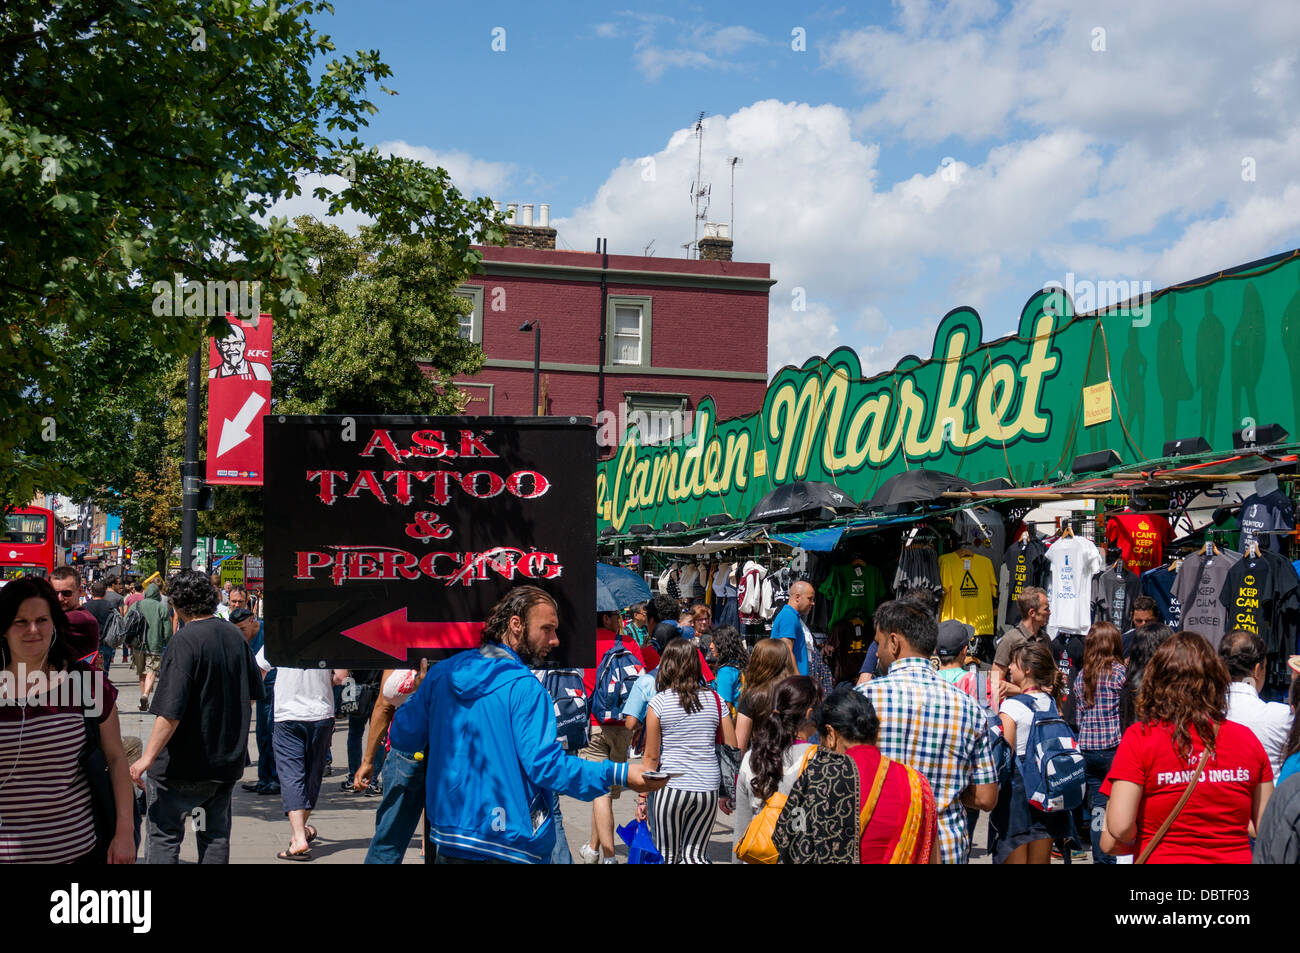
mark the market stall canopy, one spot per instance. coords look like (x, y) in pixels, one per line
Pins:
(617, 588)
(718, 542)
(800, 498)
(904, 491)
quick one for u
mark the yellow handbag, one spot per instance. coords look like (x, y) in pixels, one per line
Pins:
(756, 846)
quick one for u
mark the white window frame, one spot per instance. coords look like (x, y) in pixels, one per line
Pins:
(474, 293)
(614, 302)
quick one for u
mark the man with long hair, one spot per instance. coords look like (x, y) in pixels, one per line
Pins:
(488, 727)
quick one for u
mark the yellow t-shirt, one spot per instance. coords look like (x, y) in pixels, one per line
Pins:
(969, 585)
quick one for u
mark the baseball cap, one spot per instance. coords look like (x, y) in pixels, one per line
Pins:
(953, 637)
(240, 614)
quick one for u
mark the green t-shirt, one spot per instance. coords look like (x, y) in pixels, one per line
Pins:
(854, 589)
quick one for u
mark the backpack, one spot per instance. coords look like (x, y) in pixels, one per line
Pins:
(1003, 756)
(114, 631)
(1053, 766)
(569, 696)
(615, 675)
(133, 628)
(756, 846)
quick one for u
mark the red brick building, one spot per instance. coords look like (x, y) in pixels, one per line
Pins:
(674, 329)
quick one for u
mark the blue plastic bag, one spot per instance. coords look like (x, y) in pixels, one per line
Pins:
(640, 845)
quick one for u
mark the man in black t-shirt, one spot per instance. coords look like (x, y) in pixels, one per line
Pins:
(199, 744)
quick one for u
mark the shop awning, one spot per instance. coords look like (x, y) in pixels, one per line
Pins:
(814, 540)
(715, 543)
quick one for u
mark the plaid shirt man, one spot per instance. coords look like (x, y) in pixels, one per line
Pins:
(1099, 726)
(940, 731)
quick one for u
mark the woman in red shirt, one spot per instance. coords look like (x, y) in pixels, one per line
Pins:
(1181, 708)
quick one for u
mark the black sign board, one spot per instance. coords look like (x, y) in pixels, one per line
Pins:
(390, 538)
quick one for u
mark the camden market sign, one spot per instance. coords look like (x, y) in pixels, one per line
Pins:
(1204, 358)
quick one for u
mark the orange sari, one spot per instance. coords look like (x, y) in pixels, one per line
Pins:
(902, 826)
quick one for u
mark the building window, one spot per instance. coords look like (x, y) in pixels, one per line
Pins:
(628, 334)
(658, 418)
(471, 325)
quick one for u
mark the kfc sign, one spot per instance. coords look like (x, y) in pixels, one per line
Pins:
(239, 394)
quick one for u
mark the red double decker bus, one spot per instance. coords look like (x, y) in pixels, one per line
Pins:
(32, 542)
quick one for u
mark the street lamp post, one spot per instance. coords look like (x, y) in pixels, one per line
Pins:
(536, 327)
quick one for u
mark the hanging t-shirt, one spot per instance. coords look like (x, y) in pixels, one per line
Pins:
(854, 590)
(1067, 649)
(983, 531)
(1141, 538)
(968, 588)
(1254, 592)
(1158, 583)
(1211, 829)
(1262, 516)
(1074, 561)
(1114, 595)
(1197, 587)
(1025, 564)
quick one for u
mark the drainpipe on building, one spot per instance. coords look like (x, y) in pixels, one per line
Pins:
(602, 246)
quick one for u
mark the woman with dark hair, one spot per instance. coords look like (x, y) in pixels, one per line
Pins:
(769, 663)
(853, 805)
(1182, 744)
(683, 727)
(47, 812)
(1291, 750)
(1097, 688)
(1145, 642)
(727, 652)
(1246, 657)
(779, 751)
(1025, 833)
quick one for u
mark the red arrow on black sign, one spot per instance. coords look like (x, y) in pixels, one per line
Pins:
(393, 635)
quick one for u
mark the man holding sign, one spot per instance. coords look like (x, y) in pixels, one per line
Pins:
(488, 729)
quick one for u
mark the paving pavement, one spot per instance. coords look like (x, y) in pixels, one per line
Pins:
(346, 822)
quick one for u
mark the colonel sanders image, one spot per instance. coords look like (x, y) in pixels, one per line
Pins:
(233, 363)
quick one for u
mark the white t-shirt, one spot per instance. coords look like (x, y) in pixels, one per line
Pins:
(399, 686)
(1270, 721)
(1075, 561)
(301, 694)
(1016, 709)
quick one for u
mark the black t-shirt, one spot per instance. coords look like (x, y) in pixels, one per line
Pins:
(1067, 649)
(101, 609)
(1256, 589)
(1024, 566)
(207, 681)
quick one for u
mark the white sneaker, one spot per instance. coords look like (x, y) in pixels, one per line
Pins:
(609, 860)
(590, 856)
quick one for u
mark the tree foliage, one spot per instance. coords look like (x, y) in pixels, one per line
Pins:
(140, 141)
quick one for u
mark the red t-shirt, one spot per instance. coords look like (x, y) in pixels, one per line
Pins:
(1212, 826)
(1141, 539)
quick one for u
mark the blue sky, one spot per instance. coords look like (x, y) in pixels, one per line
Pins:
(911, 158)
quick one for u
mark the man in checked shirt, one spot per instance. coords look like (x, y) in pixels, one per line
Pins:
(930, 725)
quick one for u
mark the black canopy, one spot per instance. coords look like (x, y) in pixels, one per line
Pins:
(801, 498)
(901, 493)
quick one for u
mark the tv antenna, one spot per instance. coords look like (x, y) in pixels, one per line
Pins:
(646, 251)
(698, 189)
(733, 162)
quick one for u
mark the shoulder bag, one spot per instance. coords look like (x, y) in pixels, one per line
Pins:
(1173, 815)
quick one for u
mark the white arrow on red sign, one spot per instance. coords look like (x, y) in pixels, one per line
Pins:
(234, 432)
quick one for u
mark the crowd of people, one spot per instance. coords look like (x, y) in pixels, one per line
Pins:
(1160, 748)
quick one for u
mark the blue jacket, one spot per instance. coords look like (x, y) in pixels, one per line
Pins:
(488, 727)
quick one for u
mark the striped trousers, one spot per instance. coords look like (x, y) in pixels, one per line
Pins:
(681, 822)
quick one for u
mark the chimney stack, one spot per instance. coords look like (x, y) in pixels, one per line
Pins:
(522, 233)
(716, 243)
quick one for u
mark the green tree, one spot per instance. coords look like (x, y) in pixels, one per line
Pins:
(142, 141)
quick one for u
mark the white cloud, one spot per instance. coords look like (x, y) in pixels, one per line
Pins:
(699, 46)
(879, 262)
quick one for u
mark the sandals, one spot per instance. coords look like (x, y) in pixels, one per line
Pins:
(286, 854)
(311, 834)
